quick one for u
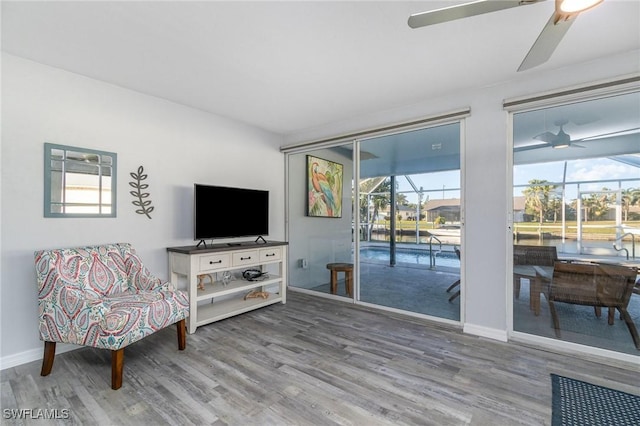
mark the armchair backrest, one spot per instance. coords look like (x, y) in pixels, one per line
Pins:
(102, 270)
(534, 255)
(596, 284)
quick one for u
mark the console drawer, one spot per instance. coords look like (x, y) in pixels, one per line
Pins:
(270, 254)
(214, 261)
(245, 258)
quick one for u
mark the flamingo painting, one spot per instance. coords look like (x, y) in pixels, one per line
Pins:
(324, 180)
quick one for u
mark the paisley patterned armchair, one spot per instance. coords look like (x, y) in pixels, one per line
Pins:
(103, 297)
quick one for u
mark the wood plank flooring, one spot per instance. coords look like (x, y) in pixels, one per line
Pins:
(312, 361)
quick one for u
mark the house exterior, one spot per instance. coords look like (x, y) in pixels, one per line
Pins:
(405, 212)
(449, 209)
(519, 205)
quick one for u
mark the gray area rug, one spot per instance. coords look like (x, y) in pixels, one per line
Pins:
(578, 403)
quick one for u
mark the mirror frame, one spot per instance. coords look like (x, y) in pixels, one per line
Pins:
(48, 149)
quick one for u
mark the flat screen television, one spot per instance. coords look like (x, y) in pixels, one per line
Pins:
(227, 212)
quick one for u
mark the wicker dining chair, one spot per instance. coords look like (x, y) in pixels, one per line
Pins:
(593, 284)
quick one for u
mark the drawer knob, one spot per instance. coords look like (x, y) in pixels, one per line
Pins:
(270, 254)
(211, 262)
(245, 258)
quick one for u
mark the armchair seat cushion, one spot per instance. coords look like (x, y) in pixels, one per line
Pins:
(133, 316)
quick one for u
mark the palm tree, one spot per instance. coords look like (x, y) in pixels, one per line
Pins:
(537, 197)
(382, 197)
(375, 192)
(556, 206)
(596, 205)
(630, 197)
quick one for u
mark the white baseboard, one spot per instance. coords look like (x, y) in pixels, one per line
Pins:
(32, 355)
(490, 333)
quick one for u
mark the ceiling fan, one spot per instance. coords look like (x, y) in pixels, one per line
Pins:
(551, 35)
(563, 140)
(553, 140)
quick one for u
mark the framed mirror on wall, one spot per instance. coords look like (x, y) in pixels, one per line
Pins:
(79, 182)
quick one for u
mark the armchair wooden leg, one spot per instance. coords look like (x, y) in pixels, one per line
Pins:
(47, 359)
(117, 365)
(182, 334)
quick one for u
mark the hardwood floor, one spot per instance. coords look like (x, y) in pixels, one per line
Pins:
(312, 361)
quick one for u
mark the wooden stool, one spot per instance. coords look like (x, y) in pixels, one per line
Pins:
(347, 268)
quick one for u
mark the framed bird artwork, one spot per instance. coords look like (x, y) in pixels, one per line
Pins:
(324, 186)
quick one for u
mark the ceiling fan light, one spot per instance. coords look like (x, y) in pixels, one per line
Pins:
(561, 145)
(575, 6)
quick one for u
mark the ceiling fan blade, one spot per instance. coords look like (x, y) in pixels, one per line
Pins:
(575, 145)
(464, 10)
(547, 41)
(546, 137)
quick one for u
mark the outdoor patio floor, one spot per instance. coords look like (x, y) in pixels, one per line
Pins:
(418, 289)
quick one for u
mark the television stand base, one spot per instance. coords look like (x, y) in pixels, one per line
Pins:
(203, 242)
(222, 298)
(260, 238)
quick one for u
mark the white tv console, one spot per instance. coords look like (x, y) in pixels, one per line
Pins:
(221, 300)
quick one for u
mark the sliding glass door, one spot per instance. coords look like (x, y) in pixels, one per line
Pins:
(576, 207)
(409, 211)
(384, 230)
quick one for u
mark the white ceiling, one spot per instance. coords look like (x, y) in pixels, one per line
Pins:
(291, 66)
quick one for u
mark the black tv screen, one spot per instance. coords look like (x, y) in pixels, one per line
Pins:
(225, 212)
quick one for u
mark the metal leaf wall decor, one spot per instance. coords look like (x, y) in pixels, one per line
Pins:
(141, 200)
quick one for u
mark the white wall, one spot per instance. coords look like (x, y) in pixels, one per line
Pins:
(486, 159)
(177, 146)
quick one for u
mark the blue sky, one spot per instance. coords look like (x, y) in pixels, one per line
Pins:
(586, 171)
(577, 171)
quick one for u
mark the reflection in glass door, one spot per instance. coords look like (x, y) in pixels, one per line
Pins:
(410, 221)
